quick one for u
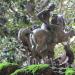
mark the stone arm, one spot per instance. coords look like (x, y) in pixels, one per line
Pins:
(69, 53)
(43, 15)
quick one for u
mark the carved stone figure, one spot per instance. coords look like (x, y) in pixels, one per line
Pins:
(38, 41)
(41, 41)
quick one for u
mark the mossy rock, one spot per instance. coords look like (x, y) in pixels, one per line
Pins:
(7, 68)
(70, 71)
(34, 70)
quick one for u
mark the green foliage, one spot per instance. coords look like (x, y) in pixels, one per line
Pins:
(9, 44)
(33, 69)
(20, 71)
(59, 49)
(7, 68)
(70, 71)
(36, 68)
(6, 64)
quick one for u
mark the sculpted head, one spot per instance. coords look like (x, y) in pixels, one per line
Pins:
(51, 7)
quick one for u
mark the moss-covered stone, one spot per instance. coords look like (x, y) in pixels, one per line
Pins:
(21, 72)
(70, 71)
(7, 68)
(34, 70)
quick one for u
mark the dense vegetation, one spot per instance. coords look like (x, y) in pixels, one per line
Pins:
(14, 15)
(7, 68)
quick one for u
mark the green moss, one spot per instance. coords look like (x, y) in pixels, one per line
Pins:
(19, 71)
(33, 69)
(7, 68)
(70, 71)
(6, 64)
